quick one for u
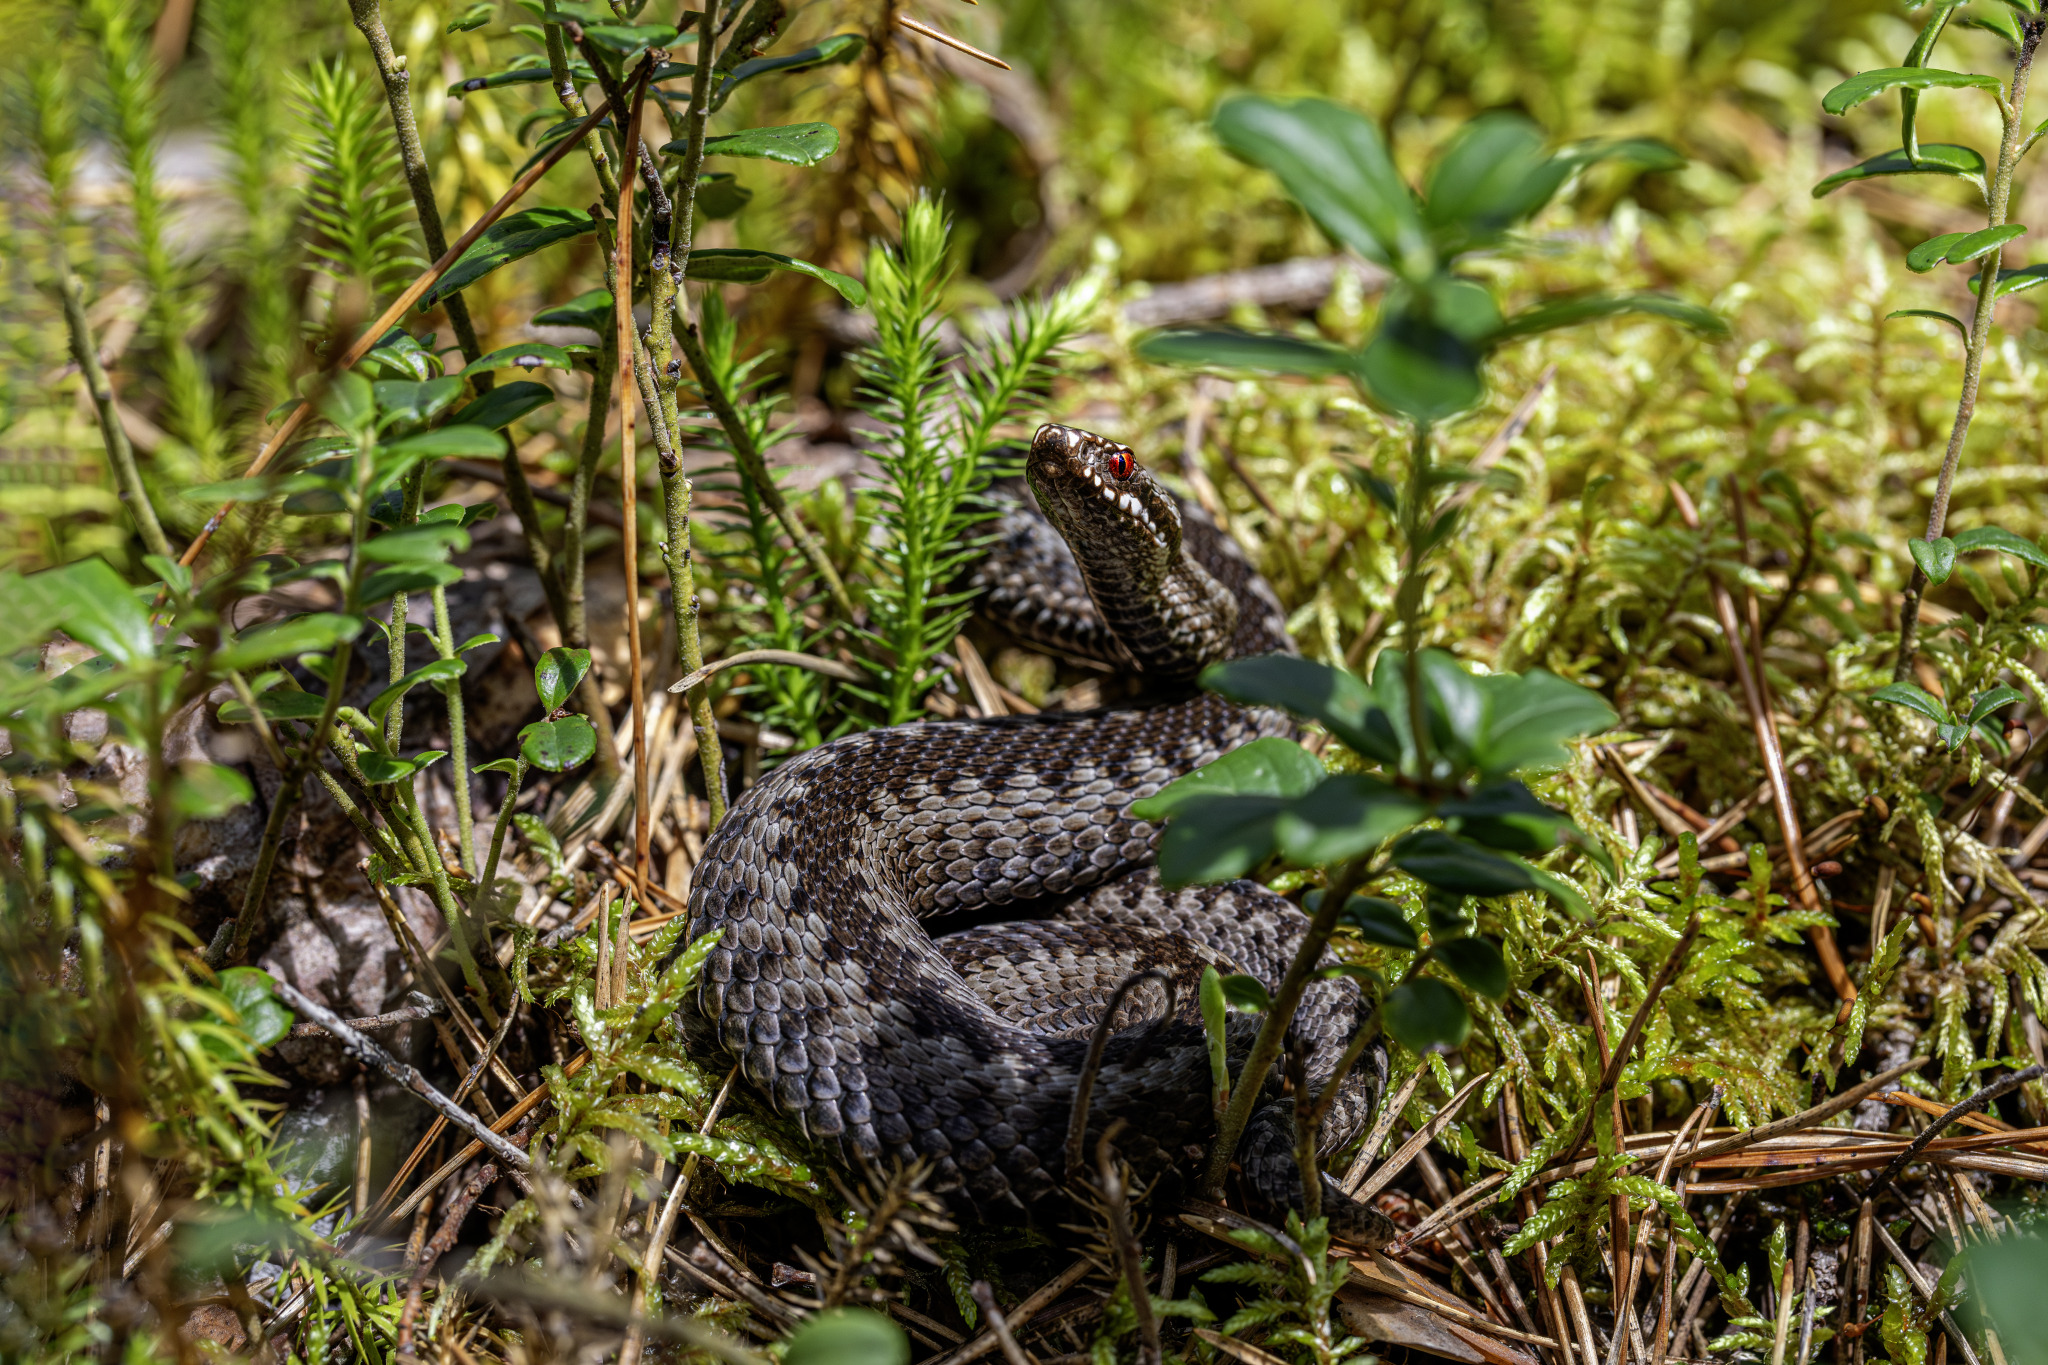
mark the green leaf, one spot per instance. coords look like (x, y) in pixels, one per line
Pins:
(1344, 817)
(504, 405)
(1507, 816)
(1214, 839)
(1341, 701)
(508, 766)
(833, 51)
(412, 403)
(1959, 248)
(595, 310)
(1570, 312)
(558, 745)
(314, 631)
(1998, 21)
(1425, 1013)
(744, 265)
(1227, 348)
(1477, 962)
(463, 441)
(1246, 993)
(282, 703)
(430, 541)
(2017, 281)
(1936, 158)
(253, 995)
(1379, 921)
(1936, 558)
(509, 239)
(529, 355)
(475, 17)
(1491, 176)
(89, 602)
(793, 144)
(1933, 251)
(440, 670)
(847, 1336)
(1645, 153)
(1332, 161)
(526, 75)
(407, 578)
(401, 352)
(1932, 315)
(1459, 866)
(1423, 362)
(383, 769)
(1271, 767)
(629, 40)
(1530, 715)
(1859, 88)
(720, 195)
(1914, 699)
(1223, 813)
(1991, 700)
(205, 791)
(558, 674)
(349, 403)
(2004, 541)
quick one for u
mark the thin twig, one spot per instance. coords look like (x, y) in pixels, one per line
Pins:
(370, 1054)
(1279, 1015)
(927, 31)
(1020, 1315)
(2005, 1085)
(1611, 1075)
(831, 668)
(1422, 1137)
(1129, 1255)
(1475, 1193)
(1091, 1065)
(1766, 728)
(629, 468)
(418, 1005)
(114, 436)
(1383, 1124)
(985, 1298)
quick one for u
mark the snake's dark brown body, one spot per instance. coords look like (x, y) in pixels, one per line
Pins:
(884, 1041)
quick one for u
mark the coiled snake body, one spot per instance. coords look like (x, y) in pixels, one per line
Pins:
(881, 1040)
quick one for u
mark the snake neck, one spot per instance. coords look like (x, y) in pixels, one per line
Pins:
(1168, 614)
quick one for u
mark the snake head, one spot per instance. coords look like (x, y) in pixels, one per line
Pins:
(1103, 501)
(1170, 617)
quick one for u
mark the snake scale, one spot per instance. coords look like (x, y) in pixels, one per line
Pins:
(885, 1042)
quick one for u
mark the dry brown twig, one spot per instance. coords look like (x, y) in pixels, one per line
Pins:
(1766, 727)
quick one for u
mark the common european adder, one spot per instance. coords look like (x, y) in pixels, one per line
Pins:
(886, 1042)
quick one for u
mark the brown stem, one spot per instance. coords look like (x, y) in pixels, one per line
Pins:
(1128, 1253)
(629, 469)
(1766, 727)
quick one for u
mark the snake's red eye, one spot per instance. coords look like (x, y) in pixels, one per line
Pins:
(1121, 465)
